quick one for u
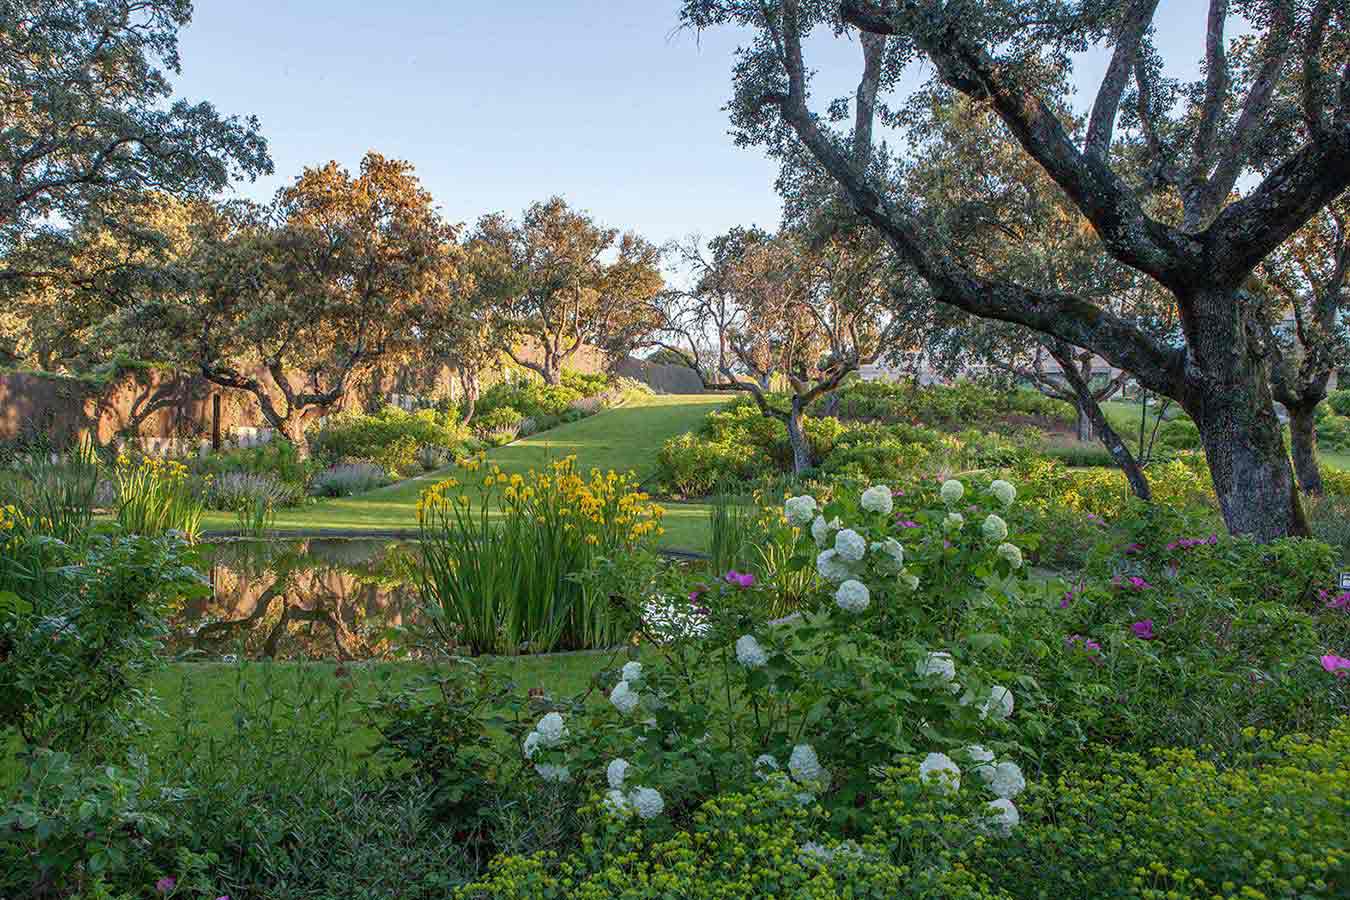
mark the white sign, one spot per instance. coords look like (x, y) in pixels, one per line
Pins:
(1345, 581)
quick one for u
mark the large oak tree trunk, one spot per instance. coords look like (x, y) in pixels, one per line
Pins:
(1303, 444)
(1228, 395)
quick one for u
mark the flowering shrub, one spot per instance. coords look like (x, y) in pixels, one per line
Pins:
(498, 569)
(850, 682)
(155, 496)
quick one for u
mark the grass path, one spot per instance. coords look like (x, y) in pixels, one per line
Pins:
(624, 438)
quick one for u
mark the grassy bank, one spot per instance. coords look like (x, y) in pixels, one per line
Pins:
(624, 438)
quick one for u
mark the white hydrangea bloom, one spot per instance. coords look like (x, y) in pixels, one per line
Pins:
(941, 769)
(983, 759)
(878, 499)
(804, 766)
(1007, 781)
(999, 703)
(647, 802)
(1011, 553)
(952, 491)
(556, 774)
(910, 580)
(615, 772)
(850, 545)
(853, 596)
(1002, 817)
(765, 764)
(531, 744)
(892, 551)
(1003, 491)
(800, 510)
(616, 802)
(804, 798)
(823, 532)
(994, 528)
(624, 698)
(954, 521)
(830, 567)
(938, 663)
(817, 852)
(749, 653)
(632, 671)
(551, 730)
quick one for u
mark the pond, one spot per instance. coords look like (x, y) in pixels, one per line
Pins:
(322, 598)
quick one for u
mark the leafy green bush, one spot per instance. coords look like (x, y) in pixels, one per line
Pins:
(694, 467)
(533, 399)
(73, 647)
(1179, 434)
(500, 425)
(1174, 823)
(1333, 431)
(966, 404)
(278, 459)
(1339, 401)
(347, 479)
(391, 438)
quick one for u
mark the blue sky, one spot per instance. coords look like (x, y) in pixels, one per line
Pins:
(498, 105)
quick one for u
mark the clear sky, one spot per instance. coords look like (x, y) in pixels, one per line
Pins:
(501, 104)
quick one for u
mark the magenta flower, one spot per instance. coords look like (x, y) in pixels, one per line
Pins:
(1336, 665)
(1134, 548)
(1068, 599)
(908, 523)
(1088, 644)
(1340, 601)
(165, 884)
(1134, 582)
(1143, 629)
(739, 579)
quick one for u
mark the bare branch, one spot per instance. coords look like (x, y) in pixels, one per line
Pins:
(1101, 124)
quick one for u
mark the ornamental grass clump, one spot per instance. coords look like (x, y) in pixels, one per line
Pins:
(501, 555)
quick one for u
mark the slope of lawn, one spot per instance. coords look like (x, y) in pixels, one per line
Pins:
(624, 438)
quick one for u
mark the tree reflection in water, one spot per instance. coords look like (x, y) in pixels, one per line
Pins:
(326, 598)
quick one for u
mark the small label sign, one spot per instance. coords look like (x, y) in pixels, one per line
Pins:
(1345, 581)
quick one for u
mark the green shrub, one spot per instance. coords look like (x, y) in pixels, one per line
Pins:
(1179, 434)
(277, 459)
(694, 467)
(74, 647)
(1174, 823)
(1339, 401)
(1333, 431)
(391, 438)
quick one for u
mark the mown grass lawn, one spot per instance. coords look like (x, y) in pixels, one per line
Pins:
(625, 438)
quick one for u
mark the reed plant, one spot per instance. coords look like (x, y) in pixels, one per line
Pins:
(155, 496)
(501, 555)
(54, 493)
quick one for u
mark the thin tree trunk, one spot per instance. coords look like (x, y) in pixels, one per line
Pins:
(1303, 446)
(470, 385)
(1090, 411)
(801, 447)
(1084, 424)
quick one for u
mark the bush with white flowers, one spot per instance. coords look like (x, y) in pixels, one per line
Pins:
(866, 672)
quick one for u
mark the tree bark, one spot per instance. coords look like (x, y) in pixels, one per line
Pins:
(1090, 409)
(1228, 395)
(801, 447)
(1084, 423)
(1303, 444)
(469, 382)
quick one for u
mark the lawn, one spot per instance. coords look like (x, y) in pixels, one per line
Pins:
(624, 438)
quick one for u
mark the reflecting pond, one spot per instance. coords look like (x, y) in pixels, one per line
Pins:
(322, 598)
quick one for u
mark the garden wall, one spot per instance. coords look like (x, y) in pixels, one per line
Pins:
(164, 408)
